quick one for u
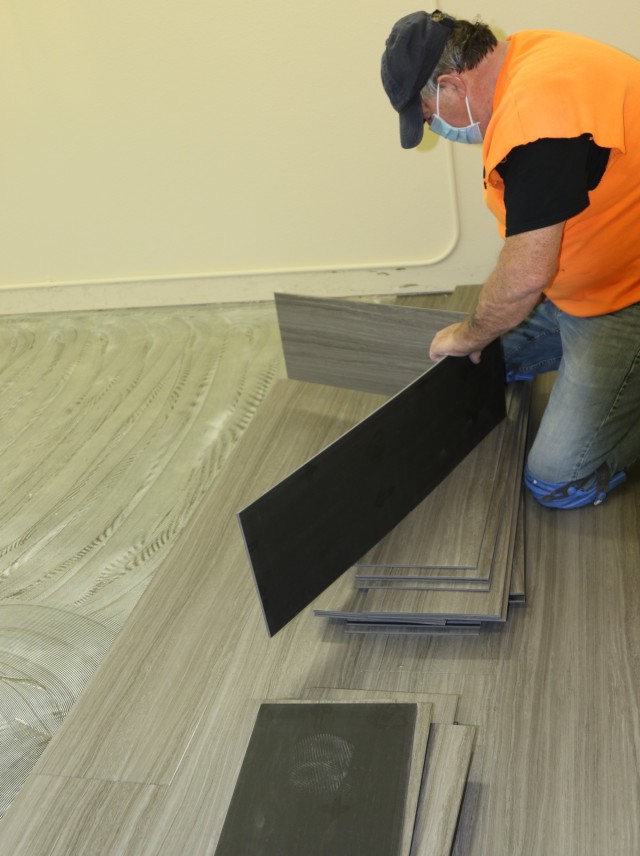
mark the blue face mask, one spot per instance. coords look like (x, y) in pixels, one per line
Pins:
(468, 134)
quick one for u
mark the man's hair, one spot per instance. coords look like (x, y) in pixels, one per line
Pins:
(467, 45)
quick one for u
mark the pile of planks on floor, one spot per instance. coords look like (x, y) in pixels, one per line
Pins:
(456, 562)
(372, 776)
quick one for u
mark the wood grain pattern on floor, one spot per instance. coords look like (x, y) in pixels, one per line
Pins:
(114, 425)
(554, 692)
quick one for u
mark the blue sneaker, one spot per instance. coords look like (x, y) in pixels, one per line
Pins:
(591, 490)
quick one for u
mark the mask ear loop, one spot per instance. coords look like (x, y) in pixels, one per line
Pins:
(471, 122)
(438, 100)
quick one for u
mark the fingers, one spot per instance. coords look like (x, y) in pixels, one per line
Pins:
(452, 342)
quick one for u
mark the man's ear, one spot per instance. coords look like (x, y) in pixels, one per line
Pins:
(454, 84)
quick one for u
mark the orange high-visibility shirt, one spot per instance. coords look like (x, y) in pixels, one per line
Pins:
(559, 85)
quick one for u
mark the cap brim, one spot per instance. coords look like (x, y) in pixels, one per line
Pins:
(412, 124)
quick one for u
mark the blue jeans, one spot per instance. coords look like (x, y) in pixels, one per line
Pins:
(593, 414)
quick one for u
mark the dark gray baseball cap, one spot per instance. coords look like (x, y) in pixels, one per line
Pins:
(411, 54)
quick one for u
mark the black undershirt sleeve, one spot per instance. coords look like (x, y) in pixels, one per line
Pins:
(548, 181)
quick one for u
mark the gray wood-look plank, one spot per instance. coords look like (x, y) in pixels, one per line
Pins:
(373, 347)
(80, 817)
(446, 770)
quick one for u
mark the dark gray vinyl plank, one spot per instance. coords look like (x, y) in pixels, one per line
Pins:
(374, 347)
(311, 527)
(426, 705)
(322, 778)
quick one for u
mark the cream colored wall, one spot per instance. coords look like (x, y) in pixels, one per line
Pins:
(199, 150)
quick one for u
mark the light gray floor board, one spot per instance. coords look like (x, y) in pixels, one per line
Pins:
(100, 818)
(446, 770)
(382, 347)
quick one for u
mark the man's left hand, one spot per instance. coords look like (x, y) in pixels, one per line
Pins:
(454, 341)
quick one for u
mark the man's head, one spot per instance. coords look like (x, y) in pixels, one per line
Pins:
(421, 48)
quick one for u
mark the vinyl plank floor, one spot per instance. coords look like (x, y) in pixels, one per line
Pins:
(373, 347)
(208, 564)
(114, 426)
(556, 715)
(100, 818)
(553, 694)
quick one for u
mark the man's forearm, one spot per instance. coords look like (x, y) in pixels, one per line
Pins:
(526, 265)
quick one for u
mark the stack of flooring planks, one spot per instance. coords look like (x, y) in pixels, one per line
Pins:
(343, 772)
(456, 561)
(310, 527)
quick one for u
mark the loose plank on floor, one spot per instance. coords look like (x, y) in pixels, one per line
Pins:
(446, 770)
(328, 778)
